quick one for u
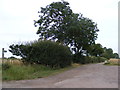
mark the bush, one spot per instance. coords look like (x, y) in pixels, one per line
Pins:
(102, 59)
(94, 59)
(88, 59)
(47, 53)
(78, 58)
(5, 66)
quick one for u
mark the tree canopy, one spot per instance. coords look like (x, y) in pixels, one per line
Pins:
(96, 50)
(57, 22)
(108, 53)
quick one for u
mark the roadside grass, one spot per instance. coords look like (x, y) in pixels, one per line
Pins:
(113, 62)
(23, 72)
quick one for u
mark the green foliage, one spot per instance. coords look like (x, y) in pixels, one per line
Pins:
(94, 59)
(5, 66)
(108, 53)
(89, 59)
(95, 50)
(53, 20)
(78, 58)
(18, 72)
(47, 53)
(21, 72)
(116, 55)
(82, 35)
(102, 59)
(57, 22)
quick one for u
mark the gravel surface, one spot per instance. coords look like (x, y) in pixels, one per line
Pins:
(86, 76)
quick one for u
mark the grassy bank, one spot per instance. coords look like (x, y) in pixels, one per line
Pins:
(22, 72)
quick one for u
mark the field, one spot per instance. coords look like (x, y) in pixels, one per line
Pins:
(11, 61)
(113, 61)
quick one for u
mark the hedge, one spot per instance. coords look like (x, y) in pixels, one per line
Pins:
(47, 53)
(87, 59)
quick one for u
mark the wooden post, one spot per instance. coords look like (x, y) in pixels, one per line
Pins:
(2, 53)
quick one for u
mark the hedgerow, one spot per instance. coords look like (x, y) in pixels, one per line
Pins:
(47, 53)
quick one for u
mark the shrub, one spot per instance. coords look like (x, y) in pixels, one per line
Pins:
(5, 66)
(77, 58)
(94, 59)
(89, 59)
(47, 53)
(102, 59)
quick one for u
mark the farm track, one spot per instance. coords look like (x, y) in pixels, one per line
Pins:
(86, 76)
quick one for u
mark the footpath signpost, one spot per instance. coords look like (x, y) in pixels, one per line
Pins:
(3, 51)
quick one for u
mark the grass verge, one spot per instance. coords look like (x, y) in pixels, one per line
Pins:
(112, 64)
(113, 61)
(22, 72)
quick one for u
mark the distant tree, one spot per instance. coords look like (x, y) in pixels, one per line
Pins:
(108, 53)
(57, 22)
(116, 55)
(96, 50)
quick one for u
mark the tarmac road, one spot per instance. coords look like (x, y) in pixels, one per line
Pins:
(86, 76)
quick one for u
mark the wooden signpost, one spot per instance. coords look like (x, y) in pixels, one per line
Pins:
(3, 51)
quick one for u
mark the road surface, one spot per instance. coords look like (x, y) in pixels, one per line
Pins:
(86, 76)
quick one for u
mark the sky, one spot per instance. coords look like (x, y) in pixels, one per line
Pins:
(17, 20)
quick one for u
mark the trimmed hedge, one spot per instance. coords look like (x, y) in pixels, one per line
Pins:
(47, 53)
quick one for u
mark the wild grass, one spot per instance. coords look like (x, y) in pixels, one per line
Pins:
(13, 61)
(22, 72)
(113, 62)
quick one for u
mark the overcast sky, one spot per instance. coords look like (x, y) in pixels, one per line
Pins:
(17, 25)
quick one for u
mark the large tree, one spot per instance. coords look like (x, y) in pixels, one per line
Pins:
(53, 20)
(57, 22)
(81, 34)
